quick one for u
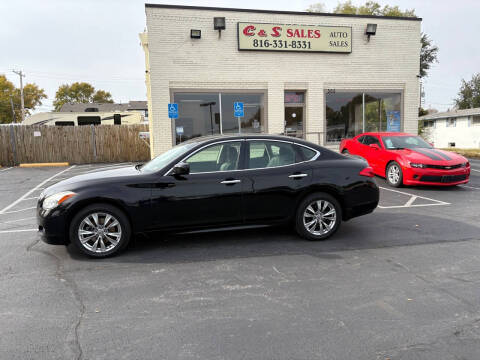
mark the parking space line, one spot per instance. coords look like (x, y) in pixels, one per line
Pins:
(16, 211)
(8, 207)
(410, 201)
(2, 170)
(15, 231)
(418, 196)
(470, 187)
(409, 206)
(474, 170)
(17, 220)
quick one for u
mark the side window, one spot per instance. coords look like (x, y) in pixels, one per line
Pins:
(218, 157)
(361, 139)
(369, 140)
(265, 154)
(306, 152)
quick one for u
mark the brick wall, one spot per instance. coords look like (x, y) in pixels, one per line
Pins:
(390, 61)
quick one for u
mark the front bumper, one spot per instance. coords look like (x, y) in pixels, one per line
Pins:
(414, 176)
(52, 226)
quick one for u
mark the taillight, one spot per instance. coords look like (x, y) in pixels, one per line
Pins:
(368, 171)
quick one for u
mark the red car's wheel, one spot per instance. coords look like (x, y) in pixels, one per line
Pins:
(394, 174)
(345, 152)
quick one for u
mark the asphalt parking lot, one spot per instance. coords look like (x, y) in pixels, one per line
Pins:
(401, 283)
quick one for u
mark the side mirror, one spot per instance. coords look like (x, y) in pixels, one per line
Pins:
(375, 146)
(182, 168)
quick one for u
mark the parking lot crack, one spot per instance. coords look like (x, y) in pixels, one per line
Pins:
(73, 336)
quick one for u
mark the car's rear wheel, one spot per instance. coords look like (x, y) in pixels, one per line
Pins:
(100, 230)
(394, 174)
(318, 216)
(345, 152)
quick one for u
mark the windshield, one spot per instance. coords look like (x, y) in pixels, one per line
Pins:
(164, 159)
(405, 142)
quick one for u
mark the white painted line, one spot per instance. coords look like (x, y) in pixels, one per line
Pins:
(474, 170)
(16, 211)
(2, 170)
(15, 231)
(418, 196)
(12, 221)
(470, 187)
(5, 209)
(410, 201)
(403, 206)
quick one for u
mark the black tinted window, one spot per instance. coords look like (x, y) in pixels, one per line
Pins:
(265, 154)
(369, 140)
(218, 157)
(307, 153)
(361, 139)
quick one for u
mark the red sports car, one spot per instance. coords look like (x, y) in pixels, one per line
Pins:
(405, 159)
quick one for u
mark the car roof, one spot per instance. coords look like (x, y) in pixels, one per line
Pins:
(213, 138)
(386, 134)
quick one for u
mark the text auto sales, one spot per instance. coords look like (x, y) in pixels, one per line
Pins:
(336, 37)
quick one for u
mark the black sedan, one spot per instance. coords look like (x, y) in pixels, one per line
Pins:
(210, 182)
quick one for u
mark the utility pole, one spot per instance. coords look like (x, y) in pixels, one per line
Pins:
(13, 109)
(22, 101)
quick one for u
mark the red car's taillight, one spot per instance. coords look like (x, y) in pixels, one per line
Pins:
(368, 171)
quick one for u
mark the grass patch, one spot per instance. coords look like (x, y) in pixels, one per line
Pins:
(471, 153)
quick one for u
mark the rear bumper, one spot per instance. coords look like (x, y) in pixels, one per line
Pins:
(436, 177)
(52, 226)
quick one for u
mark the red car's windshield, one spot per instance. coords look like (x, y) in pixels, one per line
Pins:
(405, 142)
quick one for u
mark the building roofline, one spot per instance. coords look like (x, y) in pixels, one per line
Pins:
(186, 7)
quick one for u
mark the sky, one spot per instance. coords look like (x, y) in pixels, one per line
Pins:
(56, 42)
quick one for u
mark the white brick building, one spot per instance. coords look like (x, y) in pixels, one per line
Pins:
(458, 128)
(321, 96)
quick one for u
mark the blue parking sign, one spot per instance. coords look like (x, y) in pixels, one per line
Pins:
(238, 109)
(173, 111)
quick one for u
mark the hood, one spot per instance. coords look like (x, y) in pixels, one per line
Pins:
(96, 177)
(432, 156)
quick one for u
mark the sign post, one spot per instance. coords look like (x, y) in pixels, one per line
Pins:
(239, 113)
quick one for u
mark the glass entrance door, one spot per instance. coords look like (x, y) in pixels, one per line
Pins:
(294, 113)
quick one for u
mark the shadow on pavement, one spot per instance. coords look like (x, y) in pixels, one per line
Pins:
(375, 231)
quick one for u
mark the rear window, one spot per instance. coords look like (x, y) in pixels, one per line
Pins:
(307, 153)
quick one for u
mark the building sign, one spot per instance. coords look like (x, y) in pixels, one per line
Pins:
(282, 37)
(393, 121)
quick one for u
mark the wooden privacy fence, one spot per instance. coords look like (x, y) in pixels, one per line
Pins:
(73, 144)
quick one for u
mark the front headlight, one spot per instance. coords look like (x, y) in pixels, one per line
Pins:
(421, 166)
(53, 201)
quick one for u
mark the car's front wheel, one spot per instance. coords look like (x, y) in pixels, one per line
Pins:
(318, 216)
(100, 230)
(394, 174)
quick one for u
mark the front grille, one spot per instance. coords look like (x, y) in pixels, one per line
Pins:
(444, 167)
(443, 179)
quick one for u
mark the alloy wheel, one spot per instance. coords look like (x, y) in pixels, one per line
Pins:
(394, 174)
(99, 232)
(319, 217)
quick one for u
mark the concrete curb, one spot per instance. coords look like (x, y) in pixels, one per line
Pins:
(33, 165)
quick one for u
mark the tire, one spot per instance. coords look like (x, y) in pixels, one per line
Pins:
(114, 238)
(345, 152)
(394, 174)
(307, 211)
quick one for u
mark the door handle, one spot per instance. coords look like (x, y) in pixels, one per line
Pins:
(230, 182)
(297, 176)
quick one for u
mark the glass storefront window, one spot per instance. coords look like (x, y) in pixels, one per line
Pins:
(252, 122)
(199, 115)
(208, 113)
(345, 113)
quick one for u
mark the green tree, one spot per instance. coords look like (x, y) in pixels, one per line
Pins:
(317, 7)
(429, 51)
(32, 95)
(469, 94)
(80, 92)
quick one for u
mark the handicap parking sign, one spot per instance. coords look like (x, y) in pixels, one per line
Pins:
(238, 109)
(173, 111)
